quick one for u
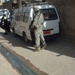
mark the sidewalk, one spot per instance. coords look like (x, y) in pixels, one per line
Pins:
(44, 62)
(6, 68)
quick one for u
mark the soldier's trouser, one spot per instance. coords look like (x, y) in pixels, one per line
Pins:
(39, 37)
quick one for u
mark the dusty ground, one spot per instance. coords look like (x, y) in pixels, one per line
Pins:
(6, 68)
(57, 59)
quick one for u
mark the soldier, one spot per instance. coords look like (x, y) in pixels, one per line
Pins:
(38, 31)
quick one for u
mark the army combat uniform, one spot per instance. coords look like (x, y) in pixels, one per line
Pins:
(38, 31)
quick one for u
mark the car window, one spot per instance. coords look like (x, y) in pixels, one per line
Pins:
(17, 16)
(21, 16)
(26, 15)
(1, 14)
(49, 14)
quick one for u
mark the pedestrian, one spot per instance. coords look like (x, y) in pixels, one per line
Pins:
(38, 29)
(5, 24)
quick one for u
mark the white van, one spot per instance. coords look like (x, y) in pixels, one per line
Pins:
(23, 16)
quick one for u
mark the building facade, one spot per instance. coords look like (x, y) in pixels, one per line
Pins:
(0, 3)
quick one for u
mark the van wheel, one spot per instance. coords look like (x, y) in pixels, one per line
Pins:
(13, 30)
(25, 38)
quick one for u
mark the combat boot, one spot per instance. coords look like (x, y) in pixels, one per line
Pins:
(44, 47)
(37, 48)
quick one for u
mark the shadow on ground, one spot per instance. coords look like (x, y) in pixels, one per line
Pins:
(58, 45)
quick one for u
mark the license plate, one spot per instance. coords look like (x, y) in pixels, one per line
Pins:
(47, 32)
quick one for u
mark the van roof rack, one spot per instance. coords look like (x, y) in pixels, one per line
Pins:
(38, 3)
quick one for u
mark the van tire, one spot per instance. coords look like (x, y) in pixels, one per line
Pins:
(25, 38)
(13, 30)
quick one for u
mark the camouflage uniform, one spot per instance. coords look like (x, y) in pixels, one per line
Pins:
(39, 36)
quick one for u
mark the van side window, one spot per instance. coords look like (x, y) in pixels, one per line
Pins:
(25, 19)
(17, 16)
(21, 16)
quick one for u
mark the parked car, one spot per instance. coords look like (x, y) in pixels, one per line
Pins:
(6, 12)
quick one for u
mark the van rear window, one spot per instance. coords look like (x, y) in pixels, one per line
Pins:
(49, 14)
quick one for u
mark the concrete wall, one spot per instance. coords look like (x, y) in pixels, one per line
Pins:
(66, 10)
(67, 15)
(8, 5)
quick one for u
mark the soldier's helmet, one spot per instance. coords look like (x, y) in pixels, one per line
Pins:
(36, 9)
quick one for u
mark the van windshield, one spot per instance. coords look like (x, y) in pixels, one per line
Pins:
(49, 14)
(1, 14)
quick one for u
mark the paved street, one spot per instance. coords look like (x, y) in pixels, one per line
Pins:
(57, 59)
(6, 68)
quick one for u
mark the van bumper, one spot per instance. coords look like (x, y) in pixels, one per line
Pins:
(53, 36)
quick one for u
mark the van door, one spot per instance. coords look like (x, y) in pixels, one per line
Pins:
(21, 25)
(51, 21)
(24, 25)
